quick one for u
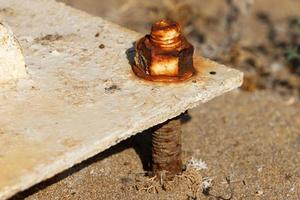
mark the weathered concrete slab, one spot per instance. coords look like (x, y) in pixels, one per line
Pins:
(80, 99)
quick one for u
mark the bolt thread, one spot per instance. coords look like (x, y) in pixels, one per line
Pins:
(173, 42)
(166, 34)
(166, 149)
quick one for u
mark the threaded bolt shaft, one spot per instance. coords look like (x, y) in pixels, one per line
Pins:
(166, 149)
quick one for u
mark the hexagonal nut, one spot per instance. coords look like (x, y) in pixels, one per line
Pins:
(161, 57)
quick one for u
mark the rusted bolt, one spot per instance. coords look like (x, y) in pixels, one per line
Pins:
(164, 55)
(166, 149)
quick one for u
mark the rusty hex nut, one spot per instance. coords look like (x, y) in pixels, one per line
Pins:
(164, 55)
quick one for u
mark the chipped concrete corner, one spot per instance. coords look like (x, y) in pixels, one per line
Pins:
(12, 65)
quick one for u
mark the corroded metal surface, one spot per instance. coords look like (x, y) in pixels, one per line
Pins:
(166, 149)
(164, 55)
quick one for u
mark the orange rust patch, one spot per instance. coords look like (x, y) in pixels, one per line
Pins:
(160, 78)
(201, 65)
(167, 65)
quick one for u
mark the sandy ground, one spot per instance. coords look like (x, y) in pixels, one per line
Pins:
(249, 141)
